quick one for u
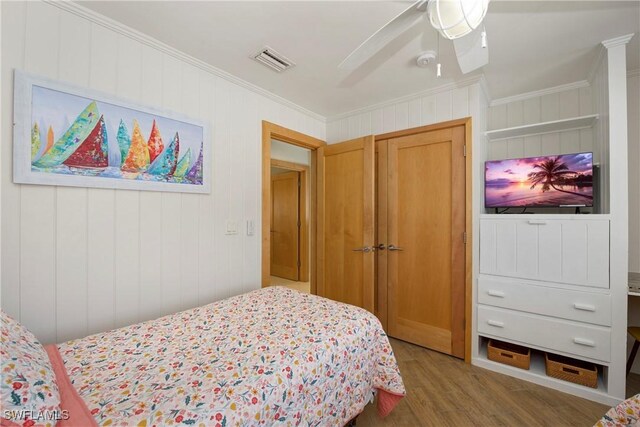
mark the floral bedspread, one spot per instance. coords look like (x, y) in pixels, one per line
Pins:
(270, 357)
(625, 414)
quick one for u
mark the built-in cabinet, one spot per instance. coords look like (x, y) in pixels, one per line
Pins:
(544, 284)
(557, 282)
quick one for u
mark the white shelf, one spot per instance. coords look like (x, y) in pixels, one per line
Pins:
(574, 123)
(537, 374)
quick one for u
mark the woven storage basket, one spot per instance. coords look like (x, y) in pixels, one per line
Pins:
(575, 371)
(509, 354)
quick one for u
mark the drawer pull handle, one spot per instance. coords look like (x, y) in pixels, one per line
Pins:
(586, 343)
(495, 323)
(537, 222)
(497, 294)
(584, 307)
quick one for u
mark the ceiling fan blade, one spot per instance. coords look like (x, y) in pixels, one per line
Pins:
(384, 35)
(471, 55)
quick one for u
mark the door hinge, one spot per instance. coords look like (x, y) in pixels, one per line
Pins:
(464, 237)
(299, 224)
(299, 264)
(464, 150)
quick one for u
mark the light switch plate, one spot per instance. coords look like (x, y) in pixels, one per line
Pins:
(232, 227)
(251, 230)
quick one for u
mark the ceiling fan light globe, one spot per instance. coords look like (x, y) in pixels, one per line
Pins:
(456, 18)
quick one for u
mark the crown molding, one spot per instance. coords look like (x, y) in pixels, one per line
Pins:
(633, 73)
(527, 95)
(92, 16)
(446, 87)
(617, 41)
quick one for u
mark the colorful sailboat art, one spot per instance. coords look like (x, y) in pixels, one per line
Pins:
(137, 159)
(165, 164)
(72, 138)
(195, 173)
(108, 141)
(92, 153)
(155, 142)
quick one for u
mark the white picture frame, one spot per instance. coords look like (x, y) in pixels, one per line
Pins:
(55, 102)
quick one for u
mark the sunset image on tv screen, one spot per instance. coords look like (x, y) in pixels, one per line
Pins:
(563, 180)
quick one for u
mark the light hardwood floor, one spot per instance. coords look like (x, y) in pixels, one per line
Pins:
(444, 391)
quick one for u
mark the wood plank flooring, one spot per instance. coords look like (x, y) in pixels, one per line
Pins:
(444, 391)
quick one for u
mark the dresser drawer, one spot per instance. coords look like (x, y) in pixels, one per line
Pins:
(574, 250)
(552, 334)
(517, 294)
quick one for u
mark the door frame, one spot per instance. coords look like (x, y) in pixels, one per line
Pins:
(468, 250)
(273, 131)
(303, 230)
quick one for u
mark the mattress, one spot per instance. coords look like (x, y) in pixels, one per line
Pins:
(273, 356)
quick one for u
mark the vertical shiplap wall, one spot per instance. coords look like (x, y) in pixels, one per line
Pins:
(409, 113)
(77, 261)
(537, 109)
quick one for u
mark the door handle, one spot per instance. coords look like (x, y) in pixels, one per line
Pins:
(537, 222)
(395, 248)
(380, 247)
(497, 294)
(365, 249)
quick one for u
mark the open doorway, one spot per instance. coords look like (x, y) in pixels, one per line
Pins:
(289, 230)
(288, 208)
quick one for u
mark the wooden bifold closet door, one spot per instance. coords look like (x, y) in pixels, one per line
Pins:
(421, 211)
(408, 195)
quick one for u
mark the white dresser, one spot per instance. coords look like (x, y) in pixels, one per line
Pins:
(544, 284)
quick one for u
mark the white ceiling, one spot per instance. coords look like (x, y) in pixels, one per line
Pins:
(532, 44)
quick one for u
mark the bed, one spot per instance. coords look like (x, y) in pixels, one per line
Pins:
(273, 356)
(626, 413)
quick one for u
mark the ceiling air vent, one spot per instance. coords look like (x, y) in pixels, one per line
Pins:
(273, 59)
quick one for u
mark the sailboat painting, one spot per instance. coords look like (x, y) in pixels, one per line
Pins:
(82, 138)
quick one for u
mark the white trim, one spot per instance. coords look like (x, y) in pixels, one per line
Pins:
(633, 73)
(446, 87)
(536, 93)
(129, 32)
(617, 41)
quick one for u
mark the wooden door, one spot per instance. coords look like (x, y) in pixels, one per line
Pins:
(285, 222)
(425, 239)
(345, 269)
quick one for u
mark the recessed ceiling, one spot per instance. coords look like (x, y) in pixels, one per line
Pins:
(532, 44)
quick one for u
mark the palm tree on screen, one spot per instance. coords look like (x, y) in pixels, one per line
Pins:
(551, 173)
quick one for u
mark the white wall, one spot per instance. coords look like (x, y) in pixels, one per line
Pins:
(290, 153)
(76, 261)
(536, 108)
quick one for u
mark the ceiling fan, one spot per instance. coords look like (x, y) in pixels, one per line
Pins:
(457, 20)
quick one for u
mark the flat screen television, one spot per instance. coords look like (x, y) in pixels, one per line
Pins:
(564, 180)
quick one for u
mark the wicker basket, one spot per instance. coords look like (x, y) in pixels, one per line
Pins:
(575, 371)
(509, 354)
